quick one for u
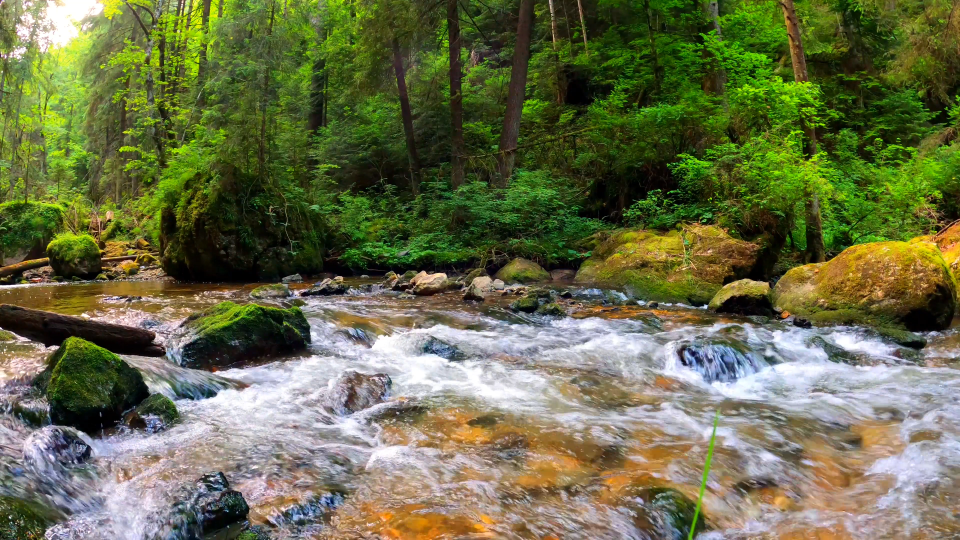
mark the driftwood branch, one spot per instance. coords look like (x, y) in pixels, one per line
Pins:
(53, 328)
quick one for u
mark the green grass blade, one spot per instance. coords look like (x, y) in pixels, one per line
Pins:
(706, 473)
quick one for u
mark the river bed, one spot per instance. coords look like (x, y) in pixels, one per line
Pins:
(542, 431)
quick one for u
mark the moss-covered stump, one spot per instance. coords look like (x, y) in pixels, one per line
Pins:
(23, 520)
(688, 266)
(522, 271)
(89, 387)
(73, 255)
(884, 284)
(229, 333)
(744, 297)
(26, 229)
(275, 290)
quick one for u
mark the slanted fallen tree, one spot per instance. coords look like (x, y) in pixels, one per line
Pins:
(21, 267)
(53, 328)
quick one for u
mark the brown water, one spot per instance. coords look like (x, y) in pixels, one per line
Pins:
(544, 431)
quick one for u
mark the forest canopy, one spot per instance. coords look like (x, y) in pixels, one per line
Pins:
(378, 134)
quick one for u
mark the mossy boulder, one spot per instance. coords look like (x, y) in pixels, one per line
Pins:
(73, 255)
(522, 271)
(90, 387)
(275, 290)
(26, 229)
(743, 297)
(884, 284)
(229, 333)
(526, 304)
(689, 265)
(209, 233)
(154, 414)
(23, 520)
(129, 268)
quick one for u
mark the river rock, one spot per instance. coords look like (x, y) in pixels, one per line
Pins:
(49, 450)
(880, 284)
(479, 288)
(272, 291)
(720, 361)
(551, 309)
(296, 278)
(522, 271)
(212, 506)
(327, 287)
(744, 297)
(564, 274)
(23, 520)
(390, 280)
(473, 274)
(948, 240)
(430, 284)
(442, 349)
(688, 266)
(353, 391)
(129, 268)
(25, 401)
(229, 333)
(314, 510)
(154, 414)
(526, 304)
(663, 513)
(90, 387)
(74, 256)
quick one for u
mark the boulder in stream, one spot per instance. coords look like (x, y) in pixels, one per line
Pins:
(688, 266)
(948, 240)
(295, 278)
(353, 391)
(438, 347)
(479, 288)
(50, 449)
(743, 297)
(664, 513)
(522, 271)
(327, 287)
(274, 290)
(154, 414)
(210, 507)
(720, 361)
(23, 520)
(229, 333)
(74, 255)
(430, 284)
(894, 284)
(89, 387)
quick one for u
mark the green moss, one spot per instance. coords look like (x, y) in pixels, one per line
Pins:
(275, 290)
(7, 336)
(527, 304)
(74, 255)
(522, 271)
(129, 268)
(26, 227)
(229, 333)
(23, 520)
(552, 310)
(744, 297)
(159, 405)
(90, 387)
(677, 511)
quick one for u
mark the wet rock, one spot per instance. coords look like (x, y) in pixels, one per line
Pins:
(601, 391)
(910, 355)
(720, 361)
(485, 420)
(229, 333)
(296, 278)
(527, 304)
(400, 410)
(353, 391)
(404, 282)
(154, 414)
(479, 288)
(563, 275)
(25, 401)
(90, 387)
(430, 284)
(23, 520)
(879, 284)
(390, 280)
(272, 291)
(358, 336)
(474, 274)
(744, 297)
(442, 349)
(902, 337)
(522, 271)
(552, 309)
(615, 298)
(74, 256)
(800, 322)
(687, 266)
(836, 353)
(664, 513)
(327, 287)
(51, 449)
(316, 509)
(129, 268)
(217, 505)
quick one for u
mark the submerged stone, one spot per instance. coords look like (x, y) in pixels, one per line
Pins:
(720, 361)
(902, 337)
(353, 391)
(316, 509)
(522, 271)
(229, 333)
(90, 387)
(274, 290)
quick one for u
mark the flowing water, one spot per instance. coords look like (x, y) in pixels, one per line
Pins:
(543, 429)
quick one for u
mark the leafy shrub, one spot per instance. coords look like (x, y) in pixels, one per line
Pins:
(28, 225)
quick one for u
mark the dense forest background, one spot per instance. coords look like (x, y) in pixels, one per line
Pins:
(383, 133)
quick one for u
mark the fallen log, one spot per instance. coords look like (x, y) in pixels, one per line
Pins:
(53, 328)
(21, 267)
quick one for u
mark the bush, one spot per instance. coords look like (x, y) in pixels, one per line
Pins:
(28, 226)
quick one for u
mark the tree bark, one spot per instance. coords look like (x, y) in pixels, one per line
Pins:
(52, 329)
(719, 75)
(456, 95)
(510, 134)
(315, 121)
(583, 27)
(205, 41)
(407, 117)
(816, 251)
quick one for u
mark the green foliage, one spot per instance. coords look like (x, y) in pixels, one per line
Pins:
(25, 226)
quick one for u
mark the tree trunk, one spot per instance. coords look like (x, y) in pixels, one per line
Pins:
(583, 27)
(456, 95)
(264, 104)
(315, 121)
(52, 329)
(816, 251)
(510, 134)
(205, 22)
(717, 81)
(655, 58)
(561, 90)
(407, 115)
(220, 10)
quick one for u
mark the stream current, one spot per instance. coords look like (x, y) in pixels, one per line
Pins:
(537, 433)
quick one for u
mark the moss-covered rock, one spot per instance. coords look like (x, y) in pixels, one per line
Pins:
(228, 333)
(552, 309)
(73, 255)
(687, 266)
(526, 304)
(23, 520)
(129, 268)
(744, 297)
(522, 271)
(7, 336)
(209, 233)
(948, 240)
(274, 290)
(90, 387)
(884, 284)
(26, 229)
(160, 406)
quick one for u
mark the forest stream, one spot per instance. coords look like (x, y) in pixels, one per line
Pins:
(542, 428)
